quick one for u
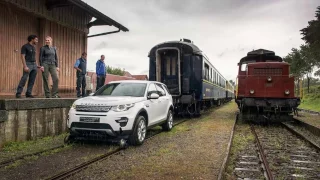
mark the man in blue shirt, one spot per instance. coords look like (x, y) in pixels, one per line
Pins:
(101, 72)
(81, 67)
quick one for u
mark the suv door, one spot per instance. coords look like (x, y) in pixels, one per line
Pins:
(152, 105)
(163, 101)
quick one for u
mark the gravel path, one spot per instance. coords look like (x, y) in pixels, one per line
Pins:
(192, 150)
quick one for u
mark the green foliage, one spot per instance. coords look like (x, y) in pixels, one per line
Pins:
(311, 100)
(115, 71)
(232, 82)
(311, 35)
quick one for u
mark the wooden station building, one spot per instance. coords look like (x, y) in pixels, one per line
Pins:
(66, 21)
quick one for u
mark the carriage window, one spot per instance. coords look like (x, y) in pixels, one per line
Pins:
(206, 67)
(173, 66)
(168, 66)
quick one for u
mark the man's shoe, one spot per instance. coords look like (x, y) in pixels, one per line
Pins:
(18, 95)
(56, 96)
(29, 96)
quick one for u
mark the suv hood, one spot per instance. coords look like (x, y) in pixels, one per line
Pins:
(108, 100)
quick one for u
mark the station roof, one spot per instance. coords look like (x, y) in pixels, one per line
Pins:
(101, 19)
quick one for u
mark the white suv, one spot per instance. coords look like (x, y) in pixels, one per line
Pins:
(122, 109)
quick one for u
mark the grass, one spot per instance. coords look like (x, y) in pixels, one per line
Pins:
(311, 101)
(19, 146)
(242, 137)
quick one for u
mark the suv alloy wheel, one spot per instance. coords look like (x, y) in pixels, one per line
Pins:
(139, 132)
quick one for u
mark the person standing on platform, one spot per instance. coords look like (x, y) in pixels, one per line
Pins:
(81, 67)
(101, 72)
(30, 67)
(49, 64)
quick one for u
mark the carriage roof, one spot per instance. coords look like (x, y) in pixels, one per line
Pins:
(185, 46)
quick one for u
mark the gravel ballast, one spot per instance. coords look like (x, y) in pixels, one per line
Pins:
(194, 149)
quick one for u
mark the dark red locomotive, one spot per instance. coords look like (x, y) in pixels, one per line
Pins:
(265, 90)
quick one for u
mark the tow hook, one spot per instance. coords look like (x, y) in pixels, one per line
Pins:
(123, 144)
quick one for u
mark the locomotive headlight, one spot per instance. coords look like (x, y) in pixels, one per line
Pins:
(269, 79)
(251, 91)
(287, 92)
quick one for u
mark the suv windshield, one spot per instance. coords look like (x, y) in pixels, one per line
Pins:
(122, 89)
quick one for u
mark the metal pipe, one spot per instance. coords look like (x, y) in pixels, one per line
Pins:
(101, 34)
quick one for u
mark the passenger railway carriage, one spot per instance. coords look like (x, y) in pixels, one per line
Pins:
(190, 77)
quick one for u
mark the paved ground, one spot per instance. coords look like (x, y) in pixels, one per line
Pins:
(193, 150)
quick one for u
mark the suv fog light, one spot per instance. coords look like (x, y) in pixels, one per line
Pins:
(287, 92)
(251, 91)
(269, 79)
(122, 121)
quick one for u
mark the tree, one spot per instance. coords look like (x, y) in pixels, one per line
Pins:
(302, 62)
(232, 82)
(115, 71)
(311, 35)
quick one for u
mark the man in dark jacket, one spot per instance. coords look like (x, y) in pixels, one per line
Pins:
(81, 67)
(101, 72)
(30, 67)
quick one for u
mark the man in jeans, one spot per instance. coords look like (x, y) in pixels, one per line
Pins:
(101, 72)
(81, 67)
(30, 67)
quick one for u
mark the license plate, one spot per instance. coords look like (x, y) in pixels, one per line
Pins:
(89, 119)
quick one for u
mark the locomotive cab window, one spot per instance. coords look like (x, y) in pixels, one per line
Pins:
(244, 67)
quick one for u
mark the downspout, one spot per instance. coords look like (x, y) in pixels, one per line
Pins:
(101, 34)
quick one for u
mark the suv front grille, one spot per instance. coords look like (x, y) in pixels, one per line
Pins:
(93, 108)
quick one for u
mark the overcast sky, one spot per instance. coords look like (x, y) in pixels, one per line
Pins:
(224, 31)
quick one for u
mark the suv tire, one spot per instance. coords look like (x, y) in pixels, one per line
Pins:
(139, 131)
(167, 126)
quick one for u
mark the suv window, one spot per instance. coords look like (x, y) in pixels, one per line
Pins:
(122, 89)
(162, 92)
(152, 89)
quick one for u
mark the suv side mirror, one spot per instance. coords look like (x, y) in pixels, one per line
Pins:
(153, 96)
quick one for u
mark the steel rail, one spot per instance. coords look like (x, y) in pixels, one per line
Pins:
(263, 156)
(315, 145)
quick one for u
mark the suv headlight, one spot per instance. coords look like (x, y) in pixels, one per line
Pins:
(123, 107)
(73, 106)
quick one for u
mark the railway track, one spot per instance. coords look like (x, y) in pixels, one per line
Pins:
(288, 150)
(74, 170)
(289, 155)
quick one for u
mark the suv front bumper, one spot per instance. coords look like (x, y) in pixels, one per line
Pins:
(111, 124)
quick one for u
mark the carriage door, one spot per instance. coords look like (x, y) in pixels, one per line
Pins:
(170, 73)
